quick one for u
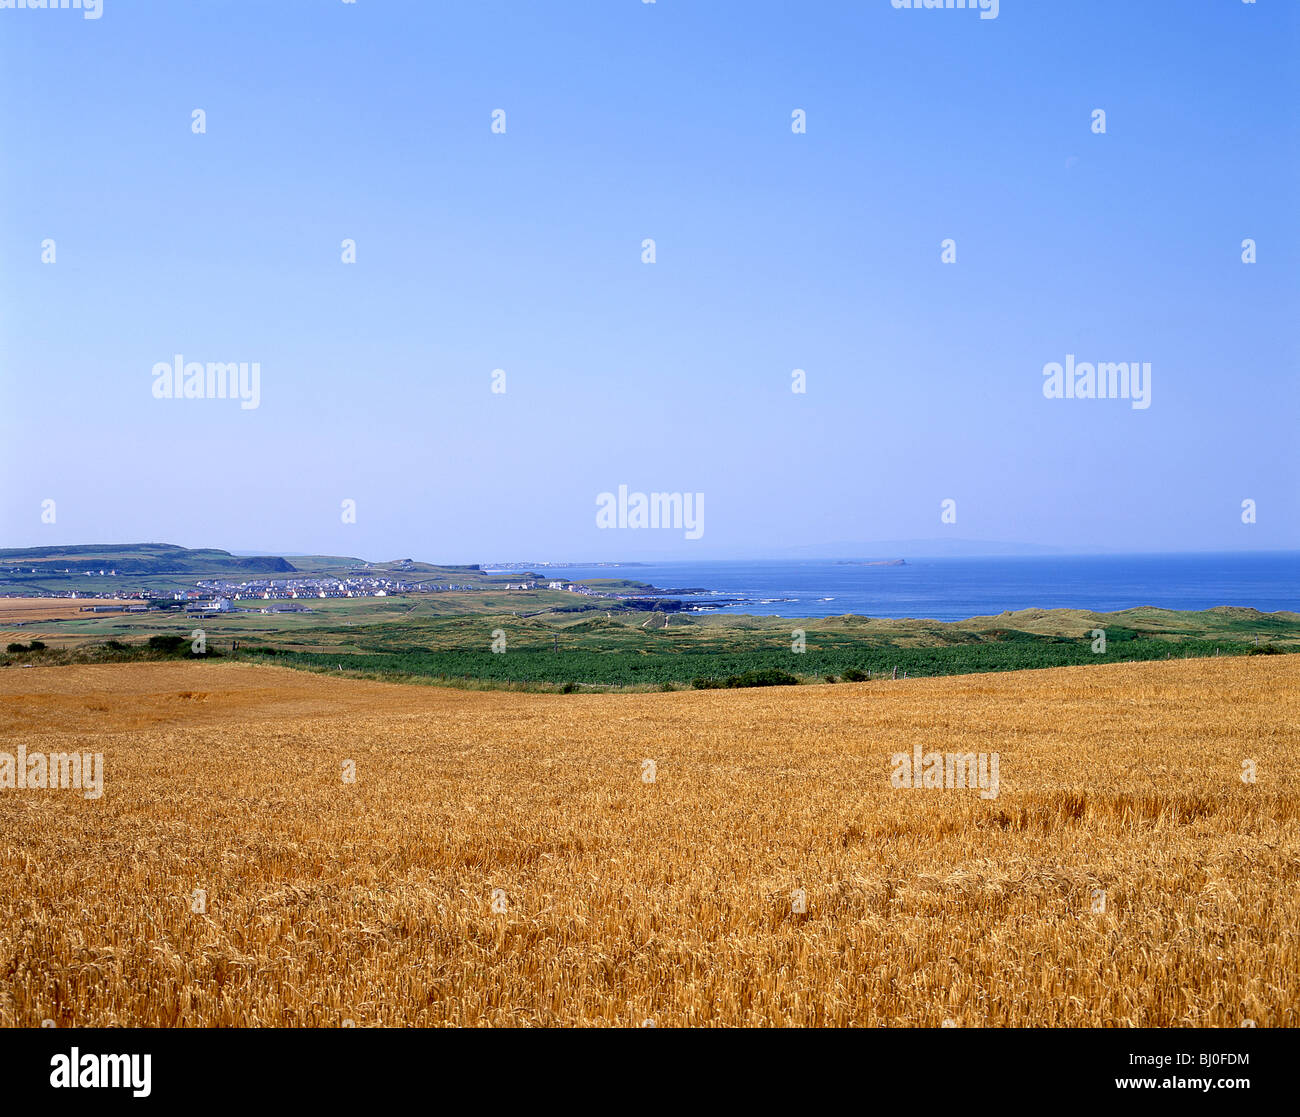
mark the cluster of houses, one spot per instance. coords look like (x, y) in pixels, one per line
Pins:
(219, 597)
(288, 595)
(78, 595)
(66, 570)
(292, 589)
(572, 587)
(289, 589)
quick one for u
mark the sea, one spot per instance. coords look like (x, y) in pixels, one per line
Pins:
(951, 589)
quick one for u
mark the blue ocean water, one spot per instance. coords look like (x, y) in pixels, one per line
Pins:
(950, 589)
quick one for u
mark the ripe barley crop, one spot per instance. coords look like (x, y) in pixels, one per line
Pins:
(495, 858)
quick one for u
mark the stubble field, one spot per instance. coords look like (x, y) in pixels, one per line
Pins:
(502, 858)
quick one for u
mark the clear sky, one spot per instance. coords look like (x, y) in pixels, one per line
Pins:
(775, 251)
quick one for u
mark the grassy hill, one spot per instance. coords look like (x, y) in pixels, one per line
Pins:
(163, 567)
(133, 559)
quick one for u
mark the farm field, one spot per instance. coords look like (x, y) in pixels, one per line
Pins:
(21, 618)
(23, 609)
(502, 859)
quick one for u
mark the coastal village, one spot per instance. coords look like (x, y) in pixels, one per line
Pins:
(212, 596)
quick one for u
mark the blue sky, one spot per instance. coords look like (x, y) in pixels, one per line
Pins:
(774, 251)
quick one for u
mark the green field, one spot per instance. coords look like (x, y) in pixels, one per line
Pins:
(448, 638)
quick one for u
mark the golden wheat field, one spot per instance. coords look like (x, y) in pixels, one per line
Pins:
(504, 859)
(27, 609)
(21, 617)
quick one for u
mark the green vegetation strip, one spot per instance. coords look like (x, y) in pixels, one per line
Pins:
(538, 666)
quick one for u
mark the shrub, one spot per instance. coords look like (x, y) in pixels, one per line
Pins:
(568, 688)
(36, 646)
(706, 684)
(853, 675)
(16, 648)
(166, 643)
(770, 677)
